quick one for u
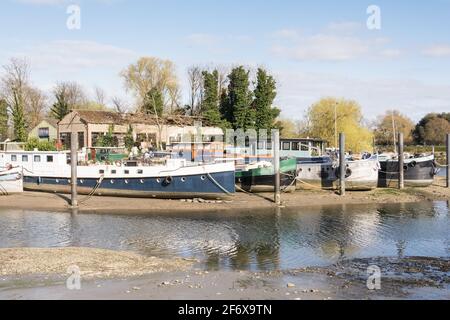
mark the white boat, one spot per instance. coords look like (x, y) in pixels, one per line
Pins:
(11, 180)
(323, 172)
(173, 178)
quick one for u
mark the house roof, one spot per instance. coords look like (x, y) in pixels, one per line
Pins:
(109, 117)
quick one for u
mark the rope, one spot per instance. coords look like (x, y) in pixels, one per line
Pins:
(94, 190)
(217, 184)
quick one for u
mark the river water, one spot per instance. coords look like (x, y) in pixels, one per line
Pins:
(316, 236)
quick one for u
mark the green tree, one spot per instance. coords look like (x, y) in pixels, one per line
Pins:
(129, 140)
(153, 103)
(420, 134)
(61, 107)
(35, 143)
(238, 108)
(18, 117)
(210, 103)
(265, 93)
(391, 124)
(3, 120)
(321, 120)
(108, 140)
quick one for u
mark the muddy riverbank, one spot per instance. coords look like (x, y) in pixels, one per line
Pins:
(407, 278)
(241, 201)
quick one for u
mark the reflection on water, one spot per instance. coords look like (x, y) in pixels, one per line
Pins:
(256, 241)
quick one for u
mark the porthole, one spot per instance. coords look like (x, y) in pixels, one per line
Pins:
(309, 169)
(57, 181)
(68, 181)
(112, 181)
(203, 178)
(126, 181)
(81, 181)
(142, 181)
(183, 179)
(158, 180)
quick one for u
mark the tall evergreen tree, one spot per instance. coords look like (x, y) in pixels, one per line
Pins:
(238, 109)
(61, 107)
(265, 93)
(18, 116)
(3, 120)
(210, 104)
(154, 102)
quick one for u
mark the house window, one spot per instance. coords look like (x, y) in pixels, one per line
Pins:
(44, 133)
(49, 158)
(13, 158)
(24, 158)
(286, 146)
(295, 146)
(37, 158)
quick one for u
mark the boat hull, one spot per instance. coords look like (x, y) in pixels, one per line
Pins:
(361, 175)
(193, 186)
(11, 181)
(263, 179)
(417, 173)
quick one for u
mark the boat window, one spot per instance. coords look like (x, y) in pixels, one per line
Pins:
(49, 158)
(286, 146)
(305, 147)
(295, 146)
(269, 145)
(13, 158)
(261, 145)
(140, 171)
(127, 171)
(37, 159)
(113, 171)
(24, 158)
(101, 171)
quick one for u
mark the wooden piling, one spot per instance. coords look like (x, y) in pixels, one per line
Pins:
(401, 162)
(448, 160)
(276, 165)
(342, 164)
(73, 166)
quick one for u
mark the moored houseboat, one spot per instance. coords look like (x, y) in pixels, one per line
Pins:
(260, 176)
(173, 178)
(418, 171)
(11, 180)
(323, 172)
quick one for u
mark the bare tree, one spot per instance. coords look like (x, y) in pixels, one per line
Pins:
(73, 94)
(100, 96)
(195, 78)
(35, 106)
(119, 105)
(15, 80)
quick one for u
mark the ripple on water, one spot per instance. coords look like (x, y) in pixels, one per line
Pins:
(292, 239)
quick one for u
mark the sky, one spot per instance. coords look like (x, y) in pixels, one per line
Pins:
(314, 49)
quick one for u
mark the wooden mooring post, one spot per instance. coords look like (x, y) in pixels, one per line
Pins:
(448, 161)
(342, 164)
(276, 166)
(401, 162)
(73, 166)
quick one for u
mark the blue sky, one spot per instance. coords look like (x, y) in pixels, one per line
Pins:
(315, 49)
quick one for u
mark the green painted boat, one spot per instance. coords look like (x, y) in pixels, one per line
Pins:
(260, 177)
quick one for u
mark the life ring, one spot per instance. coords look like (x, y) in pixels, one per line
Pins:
(348, 172)
(168, 180)
(118, 163)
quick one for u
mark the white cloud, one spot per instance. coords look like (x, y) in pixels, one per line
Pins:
(439, 51)
(297, 91)
(73, 55)
(340, 41)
